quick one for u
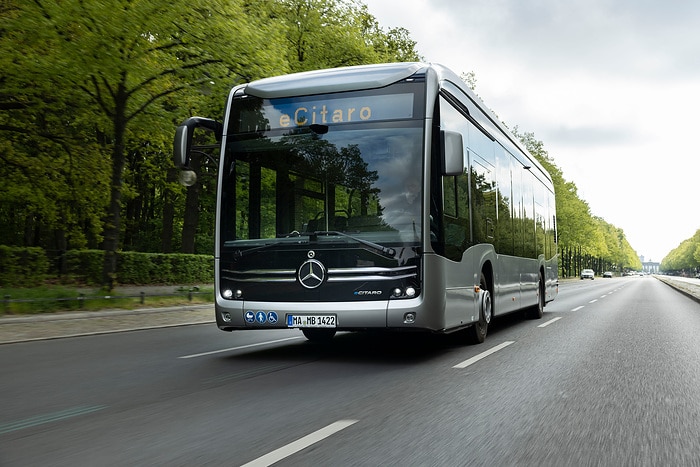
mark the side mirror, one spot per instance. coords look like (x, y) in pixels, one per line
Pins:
(451, 152)
(183, 137)
(181, 146)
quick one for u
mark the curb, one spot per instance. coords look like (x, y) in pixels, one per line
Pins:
(689, 290)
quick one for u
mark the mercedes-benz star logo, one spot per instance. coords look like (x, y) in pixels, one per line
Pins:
(311, 273)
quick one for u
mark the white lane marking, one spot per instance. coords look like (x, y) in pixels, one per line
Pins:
(302, 443)
(478, 357)
(603, 296)
(578, 308)
(593, 301)
(549, 322)
(48, 418)
(204, 354)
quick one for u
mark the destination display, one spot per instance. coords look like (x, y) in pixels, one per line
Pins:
(294, 113)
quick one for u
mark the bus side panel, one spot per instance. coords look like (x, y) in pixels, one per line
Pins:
(507, 285)
(529, 277)
(516, 284)
(461, 299)
(458, 281)
(551, 279)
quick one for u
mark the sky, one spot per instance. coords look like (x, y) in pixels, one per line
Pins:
(611, 87)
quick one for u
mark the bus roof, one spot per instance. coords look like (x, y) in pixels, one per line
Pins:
(349, 78)
(358, 77)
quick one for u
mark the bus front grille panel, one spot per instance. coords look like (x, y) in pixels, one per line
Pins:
(334, 274)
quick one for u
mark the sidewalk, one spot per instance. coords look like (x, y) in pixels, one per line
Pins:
(53, 326)
(23, 328)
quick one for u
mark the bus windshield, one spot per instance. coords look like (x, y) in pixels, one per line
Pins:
(338, 169)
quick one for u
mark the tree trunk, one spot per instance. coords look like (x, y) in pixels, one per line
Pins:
(113, 218)
(168, 213)
(189, 228)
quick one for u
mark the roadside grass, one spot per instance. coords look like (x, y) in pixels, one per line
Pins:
(57, 298)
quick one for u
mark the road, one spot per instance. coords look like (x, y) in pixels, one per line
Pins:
(609, 376)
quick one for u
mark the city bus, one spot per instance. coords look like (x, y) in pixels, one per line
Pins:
(376, 197)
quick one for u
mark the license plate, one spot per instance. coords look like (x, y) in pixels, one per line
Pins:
(311, 321)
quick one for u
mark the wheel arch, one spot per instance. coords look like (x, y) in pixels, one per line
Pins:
(488, 272)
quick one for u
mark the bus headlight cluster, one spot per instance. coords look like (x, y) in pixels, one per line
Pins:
(408, 292)
(228, 294)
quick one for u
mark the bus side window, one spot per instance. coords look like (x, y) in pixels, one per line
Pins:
(456, 216)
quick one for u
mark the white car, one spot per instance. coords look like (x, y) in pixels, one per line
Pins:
(587, 274)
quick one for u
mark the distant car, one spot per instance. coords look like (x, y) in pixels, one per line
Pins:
(607, 274)
(587, 274)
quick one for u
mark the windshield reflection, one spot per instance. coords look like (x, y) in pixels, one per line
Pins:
(359, 180)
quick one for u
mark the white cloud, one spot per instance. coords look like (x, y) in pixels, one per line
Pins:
(609, 86)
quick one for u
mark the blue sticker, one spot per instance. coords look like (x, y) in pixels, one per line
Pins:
(249, 316)
(272, 317)
(260, 317)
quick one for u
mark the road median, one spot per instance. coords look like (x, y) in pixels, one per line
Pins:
(686, 286)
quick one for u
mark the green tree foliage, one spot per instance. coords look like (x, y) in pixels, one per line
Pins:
(120, 60)
(91, 91)
(685, 258)
(57, 180)
(334, 33)
(595, 242)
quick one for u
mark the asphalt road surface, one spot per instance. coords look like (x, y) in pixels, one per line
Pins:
(609, 376)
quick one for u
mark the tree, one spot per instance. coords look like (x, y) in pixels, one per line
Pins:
(583, 238)
(91, 91)
(123, 59)
(334, 33)
(55, 196)
(685, 258)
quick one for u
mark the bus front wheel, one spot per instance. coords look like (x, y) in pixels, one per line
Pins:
(537, 311)
(478, 331)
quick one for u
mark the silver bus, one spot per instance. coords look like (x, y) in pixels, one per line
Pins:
(374, 197)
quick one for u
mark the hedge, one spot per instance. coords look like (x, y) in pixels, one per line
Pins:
(26, 267)
(22, 267)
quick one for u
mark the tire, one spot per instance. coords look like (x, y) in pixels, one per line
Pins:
(476, 334)
(537, 311)
(318, 335)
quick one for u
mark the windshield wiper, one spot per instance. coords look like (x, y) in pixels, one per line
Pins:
(384, 250)
(240, 253)
(381, 249)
